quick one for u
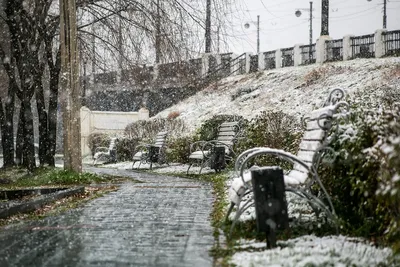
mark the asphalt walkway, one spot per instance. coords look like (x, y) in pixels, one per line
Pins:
(164, 221)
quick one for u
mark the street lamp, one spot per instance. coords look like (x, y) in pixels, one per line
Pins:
(247, 25)
(384, 13)
(310, 10)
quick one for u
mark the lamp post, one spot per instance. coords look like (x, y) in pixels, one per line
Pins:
(310, 10)
(208, 27)
(247, 25)
(384, 13)
(298, 14)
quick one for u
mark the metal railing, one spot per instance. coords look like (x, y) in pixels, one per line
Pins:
(307, 54)
(253, 63)
(287, 57)
(236, 64)
(391, 41)
(195, 66)
(334, 50)
(269, 60)
(363, 46)
(226, 63)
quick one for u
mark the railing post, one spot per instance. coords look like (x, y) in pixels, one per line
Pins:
(278, 59)
(247, 61)
(379, 43)
(205, 64)
(320, 51)
(297, 56)
(261, 61)
(347, 49)
(234, 66)
(156, 69)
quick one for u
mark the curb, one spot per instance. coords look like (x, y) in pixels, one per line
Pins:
(38, 202)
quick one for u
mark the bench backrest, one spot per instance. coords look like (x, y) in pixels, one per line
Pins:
(228, 132)
(113, 143)
(160, 139)
(316, 131)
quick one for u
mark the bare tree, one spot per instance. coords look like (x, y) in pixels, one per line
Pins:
(126, 34)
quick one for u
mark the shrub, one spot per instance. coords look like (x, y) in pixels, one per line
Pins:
(147, 130)
(126, 148)
(96, 140)
(173, 115)
(322, 72)
(179, 148)
(271, 129)
(364, 179)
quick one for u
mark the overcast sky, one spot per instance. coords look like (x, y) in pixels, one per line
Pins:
(280, 28)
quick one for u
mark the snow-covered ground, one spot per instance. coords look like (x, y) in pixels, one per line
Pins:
(295, 91)
(304, 251)
(310, 250)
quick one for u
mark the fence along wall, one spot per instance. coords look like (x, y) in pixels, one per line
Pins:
(381, 43)
(110, 122)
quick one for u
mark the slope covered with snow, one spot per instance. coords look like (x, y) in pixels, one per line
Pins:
(293, 90)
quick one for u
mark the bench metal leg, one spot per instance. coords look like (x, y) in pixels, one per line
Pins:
(271, 238)
(190, 165)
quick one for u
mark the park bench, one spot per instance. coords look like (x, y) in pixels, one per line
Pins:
(312, 149)
(151, 153)
(106, 154)
(215, 153)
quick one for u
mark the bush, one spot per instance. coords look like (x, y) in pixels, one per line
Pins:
(173, 115)
(179, 148)
(126, 148)
(148, 129)
(364, 180)
(96, 140)
(271, 129)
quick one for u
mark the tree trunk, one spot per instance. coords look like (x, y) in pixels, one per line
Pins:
(8, 130)
(53, 104)
(43, 129)
(20, 137)
(28, 139)
(70, 87)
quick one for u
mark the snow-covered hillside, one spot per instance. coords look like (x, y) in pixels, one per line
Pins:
(293, 90)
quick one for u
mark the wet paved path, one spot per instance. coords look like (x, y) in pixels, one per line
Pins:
(161, 222)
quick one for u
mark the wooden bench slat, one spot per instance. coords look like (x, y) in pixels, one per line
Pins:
(314, 135)
(233, 123)
(318, 112)
(313, 125)
(309, 145)
(300, 168)
(233, 133)
(306, 156)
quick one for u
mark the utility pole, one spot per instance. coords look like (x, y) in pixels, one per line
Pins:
(93, 52)
(208, 26)
(158, 34)
(325, 17)
(70, 92)
(120, 45)
(384, 14)
(258, 34)
(311, 29)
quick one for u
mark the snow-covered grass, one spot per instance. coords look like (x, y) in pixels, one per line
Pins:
(310, 250)
(293, 90)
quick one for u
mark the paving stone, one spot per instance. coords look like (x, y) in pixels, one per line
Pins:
(164, 221)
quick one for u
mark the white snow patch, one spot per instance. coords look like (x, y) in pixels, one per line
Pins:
(313, 251)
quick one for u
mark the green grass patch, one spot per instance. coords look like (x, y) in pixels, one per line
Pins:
(19, 178)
